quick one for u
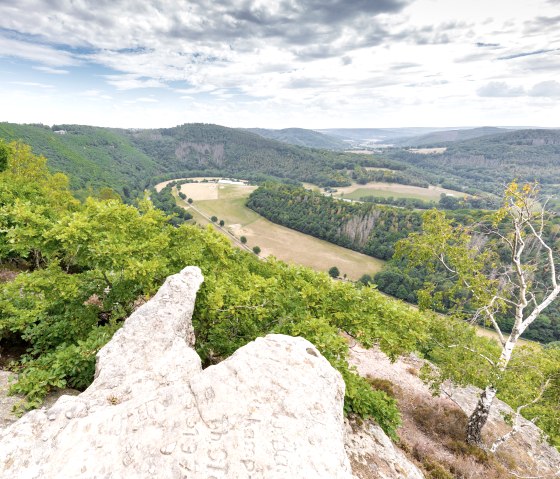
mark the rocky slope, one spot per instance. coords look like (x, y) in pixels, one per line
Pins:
(272, 410)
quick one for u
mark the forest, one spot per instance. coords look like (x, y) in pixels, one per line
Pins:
(375, 230)
(363, 227)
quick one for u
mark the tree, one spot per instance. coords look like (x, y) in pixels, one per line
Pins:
(493, 265)
(256, 250)
(214, 219)
(4, 153)
(334, 272)
(243, 239)
(222, 223)
(190, 200)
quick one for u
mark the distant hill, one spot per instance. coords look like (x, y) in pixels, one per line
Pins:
(380, 135)
(302, 137)
(439, 137)
(129, 160)
(488, 163)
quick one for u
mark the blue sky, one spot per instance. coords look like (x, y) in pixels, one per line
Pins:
(287, 63)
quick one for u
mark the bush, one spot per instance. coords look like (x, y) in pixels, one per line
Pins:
(334, 272)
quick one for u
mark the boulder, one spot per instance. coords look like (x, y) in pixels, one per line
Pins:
(272, 410)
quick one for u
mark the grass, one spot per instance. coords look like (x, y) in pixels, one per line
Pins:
(385, 190)
(283, 243)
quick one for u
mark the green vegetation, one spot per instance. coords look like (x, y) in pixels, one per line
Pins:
(284, 243)
(87, 264)
(364, 227)
(489, 162)
(485, 282)
(302, 137)
(92, 157)
(334, 272)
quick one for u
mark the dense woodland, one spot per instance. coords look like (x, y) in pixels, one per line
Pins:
(80, 267)
(363, 227)
(374, 230)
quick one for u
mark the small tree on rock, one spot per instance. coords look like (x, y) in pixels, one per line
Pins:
(497, 283)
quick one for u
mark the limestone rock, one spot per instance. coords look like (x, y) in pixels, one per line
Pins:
(373, 455)
(272, 410)
(7, 403)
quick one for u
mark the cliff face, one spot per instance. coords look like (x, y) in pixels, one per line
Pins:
(272, 410)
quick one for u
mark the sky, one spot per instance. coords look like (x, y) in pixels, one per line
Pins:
(279, 64)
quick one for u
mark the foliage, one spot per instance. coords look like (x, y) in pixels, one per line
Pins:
(88, 263)
(484, 282)
(256, 250)
(366, 228)
(98, 257)
(334, 272)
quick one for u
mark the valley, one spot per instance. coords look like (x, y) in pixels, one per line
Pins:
(228, 203)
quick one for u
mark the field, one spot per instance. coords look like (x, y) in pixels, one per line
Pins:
(228, 204)
(356, 191)
(427, 151)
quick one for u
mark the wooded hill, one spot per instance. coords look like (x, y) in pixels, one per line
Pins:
(128, 160)
(303, 137)
(374, 230)
(490, 162)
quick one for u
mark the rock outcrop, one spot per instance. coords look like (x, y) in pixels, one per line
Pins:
(272, 410)
(373, 455)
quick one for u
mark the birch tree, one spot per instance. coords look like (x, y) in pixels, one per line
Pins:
(505, 265)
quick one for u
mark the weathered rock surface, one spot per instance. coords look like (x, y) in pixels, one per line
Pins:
(373, 455)
(272, 410)
(7, 403)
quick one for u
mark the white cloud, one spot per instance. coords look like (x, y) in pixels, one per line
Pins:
(500, 89)
(550, 89)
(52, 71)
(293, 62)
(36, 52)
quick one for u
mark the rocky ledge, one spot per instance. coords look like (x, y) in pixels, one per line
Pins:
(272, 410)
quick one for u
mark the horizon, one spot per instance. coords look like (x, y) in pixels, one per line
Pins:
(259, 64)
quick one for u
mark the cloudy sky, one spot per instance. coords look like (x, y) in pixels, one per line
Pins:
(282, 63)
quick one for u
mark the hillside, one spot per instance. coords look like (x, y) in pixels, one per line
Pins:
(302, 137)
(126, 160)
(488, 163)
(230, 151)
(92, 157)
(439, 137)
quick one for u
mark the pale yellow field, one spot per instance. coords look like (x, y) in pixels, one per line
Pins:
(355, 191)
(163, 184)
(283, 243)
(428, 151)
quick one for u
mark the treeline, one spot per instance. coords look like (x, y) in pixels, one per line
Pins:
(165, 201)
(489, 162)
(363, 227)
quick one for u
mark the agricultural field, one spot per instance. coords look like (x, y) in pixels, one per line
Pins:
(227, 202)
(396, 190)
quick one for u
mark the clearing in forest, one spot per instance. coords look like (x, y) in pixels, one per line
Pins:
(284, 243)
(396, 190)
